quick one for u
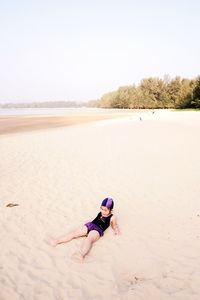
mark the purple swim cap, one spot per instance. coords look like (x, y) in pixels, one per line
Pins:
(108, 202)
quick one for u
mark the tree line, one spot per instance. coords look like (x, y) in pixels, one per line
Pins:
(152, 92)
(155, 93)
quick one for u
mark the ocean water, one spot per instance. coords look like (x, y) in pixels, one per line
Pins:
(47, 111)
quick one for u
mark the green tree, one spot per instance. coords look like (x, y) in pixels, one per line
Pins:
(196, 94)
(153, 91)
(122, 97)
(107, 100)
(173, 91)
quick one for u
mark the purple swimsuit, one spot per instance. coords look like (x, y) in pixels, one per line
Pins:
(99, 224)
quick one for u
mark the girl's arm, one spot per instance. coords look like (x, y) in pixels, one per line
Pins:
(114, 225)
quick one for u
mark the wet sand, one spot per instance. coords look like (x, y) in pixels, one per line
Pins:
(14, 124)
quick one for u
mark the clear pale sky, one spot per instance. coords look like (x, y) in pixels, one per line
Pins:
(79, 50)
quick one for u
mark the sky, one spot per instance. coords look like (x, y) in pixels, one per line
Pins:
(79, 50)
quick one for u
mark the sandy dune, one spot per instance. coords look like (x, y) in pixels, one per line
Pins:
(59, 176)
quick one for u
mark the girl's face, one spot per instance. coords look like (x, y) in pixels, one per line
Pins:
(105, 211)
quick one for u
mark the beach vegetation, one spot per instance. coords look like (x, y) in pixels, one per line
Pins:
(195, 103)
(154, 92)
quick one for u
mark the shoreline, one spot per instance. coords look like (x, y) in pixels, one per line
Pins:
(16, 124)
(11, 124)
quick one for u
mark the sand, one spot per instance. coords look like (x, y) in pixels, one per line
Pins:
(59, 177)
(14, 124)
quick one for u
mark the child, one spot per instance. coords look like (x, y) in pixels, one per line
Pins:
(92, 230)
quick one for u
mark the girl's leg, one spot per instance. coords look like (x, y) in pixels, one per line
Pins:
(72, 235)
(92, 237)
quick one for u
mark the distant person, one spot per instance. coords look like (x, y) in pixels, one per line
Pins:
(92, 230)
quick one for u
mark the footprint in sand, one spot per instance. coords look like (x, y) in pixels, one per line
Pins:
(127, 282)
(172, 285)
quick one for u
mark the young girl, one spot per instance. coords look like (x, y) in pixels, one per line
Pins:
(92, 230)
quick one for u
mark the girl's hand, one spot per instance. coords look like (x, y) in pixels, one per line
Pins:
(114, 225)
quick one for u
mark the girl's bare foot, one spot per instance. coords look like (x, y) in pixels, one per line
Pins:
(53, 242)
(77, 257)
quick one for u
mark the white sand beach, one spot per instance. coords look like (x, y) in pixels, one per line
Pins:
(59, 176)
